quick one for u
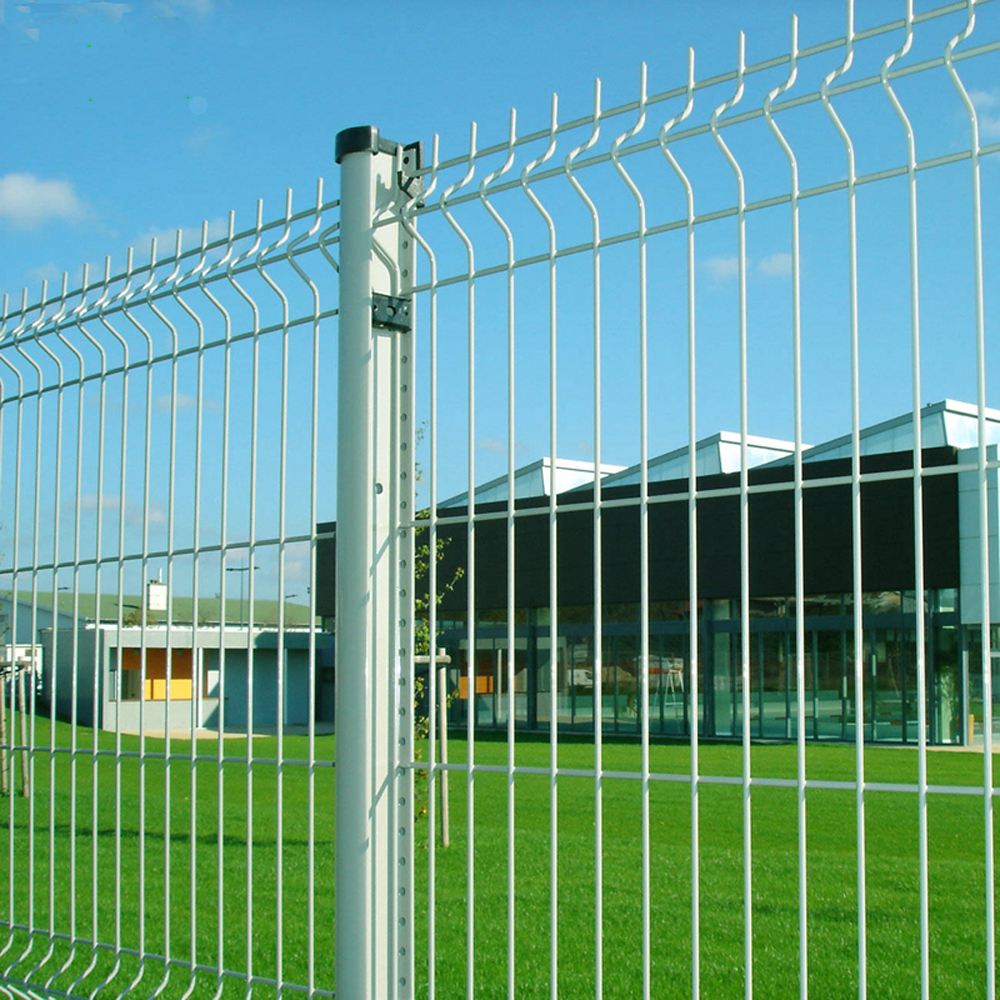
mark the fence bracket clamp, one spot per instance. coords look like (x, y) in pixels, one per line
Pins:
(392, 312)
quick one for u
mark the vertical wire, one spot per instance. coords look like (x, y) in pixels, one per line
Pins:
(197, 656)
(799, 528)
(251, 552)
(143, 636)
(313, 492)
(313, 467)
(147, 365)
(744, 520)
(553, 554)
(432, 591)
(169, 647)
(982, 472)
(18, 455)
(53, 324)
(643, 525)
(434, 776)
(9, 710)
(282, 654)
(223, 539)
(75, 640)
(918, 507)
(471, 706)
(28, 705)
(509, 243)
(119, 565)
(597, 543)
(119, 583)
(98, 720)
(28, 748)
(692, 514)
(859, 732)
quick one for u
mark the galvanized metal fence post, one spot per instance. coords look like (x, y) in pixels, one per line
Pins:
(374, 715)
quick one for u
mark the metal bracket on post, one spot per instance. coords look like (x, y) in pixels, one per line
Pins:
(375, 476)
(392, 312)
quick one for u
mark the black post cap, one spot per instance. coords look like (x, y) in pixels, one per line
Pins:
(360, 139)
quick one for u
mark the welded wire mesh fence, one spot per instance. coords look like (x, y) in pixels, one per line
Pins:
(157, 605)
(675, 633)
(667, 299)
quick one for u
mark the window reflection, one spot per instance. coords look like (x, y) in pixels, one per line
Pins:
(572, 683)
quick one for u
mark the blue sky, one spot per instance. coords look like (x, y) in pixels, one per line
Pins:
(123, 121)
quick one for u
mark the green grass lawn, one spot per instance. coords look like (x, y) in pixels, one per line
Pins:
(956, 850)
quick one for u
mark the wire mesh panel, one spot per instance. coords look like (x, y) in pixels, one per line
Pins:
(708, 492)
(703, 561)
(167, 700)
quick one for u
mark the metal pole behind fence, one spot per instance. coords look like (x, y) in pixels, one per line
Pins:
(443, 661)
(3, 733)
(374, 800)
(25, 788)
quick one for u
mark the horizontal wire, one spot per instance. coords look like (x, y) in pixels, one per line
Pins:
(705, 779)
(704, 129)
(114, 560)
(708, 494)
(714, 216)
(187, 758)
(170, 962)
(175, 258)
(728, 77)
(158, 359)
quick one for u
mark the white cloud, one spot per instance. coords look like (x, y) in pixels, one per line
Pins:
(162, 403)
(46, 272)
(175, 8)
(201, 140)
(722, 268)
(112, 11)
(133, 511)
(494, 445)
(297, 578)
(88, 502)
(987, 104)
(776, 265)
(27, 201)
(157, 516)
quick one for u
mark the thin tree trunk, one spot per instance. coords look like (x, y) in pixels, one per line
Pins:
(4, 789)
(25, 790)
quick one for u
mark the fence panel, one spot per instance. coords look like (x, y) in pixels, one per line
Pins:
(663, 636)
(168, 697)
(654, 598)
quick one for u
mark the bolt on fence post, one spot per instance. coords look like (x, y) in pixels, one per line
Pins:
(374, 702)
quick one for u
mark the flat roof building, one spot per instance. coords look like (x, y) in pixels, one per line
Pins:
(574, 651)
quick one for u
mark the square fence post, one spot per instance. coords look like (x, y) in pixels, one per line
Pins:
(374, 714)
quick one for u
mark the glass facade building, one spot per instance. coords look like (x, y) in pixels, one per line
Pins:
(599, 529)
(577, 691)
